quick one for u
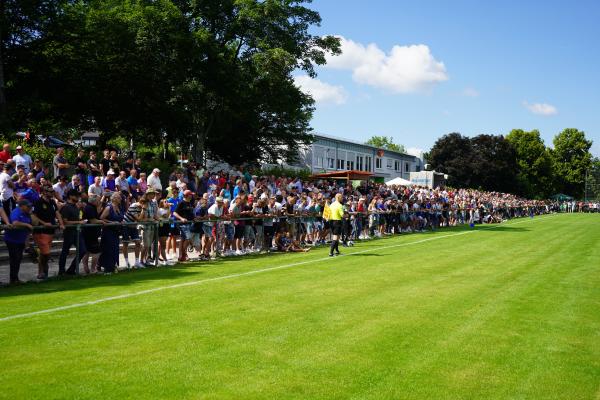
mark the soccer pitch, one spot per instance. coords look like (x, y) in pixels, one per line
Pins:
(495, 312)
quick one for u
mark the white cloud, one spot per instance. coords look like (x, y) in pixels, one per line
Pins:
(404, 69)
(320, 91)
(541, 108)
(414, 151)
(470, 92)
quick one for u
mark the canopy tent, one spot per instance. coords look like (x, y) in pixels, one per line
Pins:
(347, 175)
(399, 182)
(561, 197)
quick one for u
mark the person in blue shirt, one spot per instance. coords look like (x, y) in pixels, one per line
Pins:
(238, 189)
(174, 233)
(133, 183)
(15, 239)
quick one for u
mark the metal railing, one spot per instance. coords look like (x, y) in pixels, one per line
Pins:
(428, 215)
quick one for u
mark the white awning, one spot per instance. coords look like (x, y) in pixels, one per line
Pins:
(399, 182)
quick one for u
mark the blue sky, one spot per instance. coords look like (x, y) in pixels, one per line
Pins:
(482, 67)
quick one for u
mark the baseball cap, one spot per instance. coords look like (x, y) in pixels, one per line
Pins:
(150, 191)
(19, 148)
(110, 172)
(188, 193)
(219, 199)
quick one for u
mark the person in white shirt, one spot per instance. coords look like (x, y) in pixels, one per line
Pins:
(154, 180)
(96, 187)
(121, 182)
(60, 188)
(6, 190)
(23, 159)
(214, 211)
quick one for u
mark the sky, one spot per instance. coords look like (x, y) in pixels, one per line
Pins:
(418, 70)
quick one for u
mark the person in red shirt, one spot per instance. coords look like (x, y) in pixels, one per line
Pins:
(5, 153)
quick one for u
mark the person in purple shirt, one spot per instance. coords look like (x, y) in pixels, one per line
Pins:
(30, 195)
(15, 239)
(108, 183)
(44, 173)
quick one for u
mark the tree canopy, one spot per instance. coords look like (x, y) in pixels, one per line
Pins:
(572, 158)
(536, 174)
(213, 75)
(520, 163)
(385, 142)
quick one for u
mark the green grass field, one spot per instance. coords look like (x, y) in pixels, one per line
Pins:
(508, 312)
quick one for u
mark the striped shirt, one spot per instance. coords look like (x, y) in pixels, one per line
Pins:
(133, 212)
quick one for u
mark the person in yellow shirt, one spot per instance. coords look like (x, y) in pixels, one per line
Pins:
(335, 219)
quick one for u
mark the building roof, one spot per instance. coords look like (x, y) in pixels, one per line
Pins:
(349, 175)
(339, 139)
(91, 135)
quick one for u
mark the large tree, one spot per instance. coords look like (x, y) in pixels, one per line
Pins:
(535, 175)
(213, 75)
(572, 158)
(485, 161)
(494, 165)
(385, 142)
(453, 155)
(23, 25)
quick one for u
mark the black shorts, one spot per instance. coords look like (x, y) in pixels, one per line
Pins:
(92, 244)
(164, 230)
(239, 232)
(130, 234)
(174, 231)
(336, 227)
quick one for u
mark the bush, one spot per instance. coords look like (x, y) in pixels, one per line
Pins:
(302, 173)
(38, 151)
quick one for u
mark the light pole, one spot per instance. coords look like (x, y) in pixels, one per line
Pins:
(164, 140)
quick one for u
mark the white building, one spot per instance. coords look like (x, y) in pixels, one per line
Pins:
(328, 154)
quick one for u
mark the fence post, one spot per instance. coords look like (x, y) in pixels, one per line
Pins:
(155, 242)
(77, 244)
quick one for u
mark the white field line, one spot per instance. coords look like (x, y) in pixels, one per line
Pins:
(220, 278)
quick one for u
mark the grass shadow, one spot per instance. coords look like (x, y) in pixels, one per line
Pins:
(179, 272)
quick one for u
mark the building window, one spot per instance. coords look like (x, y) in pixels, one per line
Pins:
(349, 165)
(359, 163)
(368, 161)
(397, 166)
(389, 163)
(377, 162)
(407, 167)
(341, 159)
(319, 157)
(330, 163)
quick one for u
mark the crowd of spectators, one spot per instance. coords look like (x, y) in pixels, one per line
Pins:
(110, 205)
